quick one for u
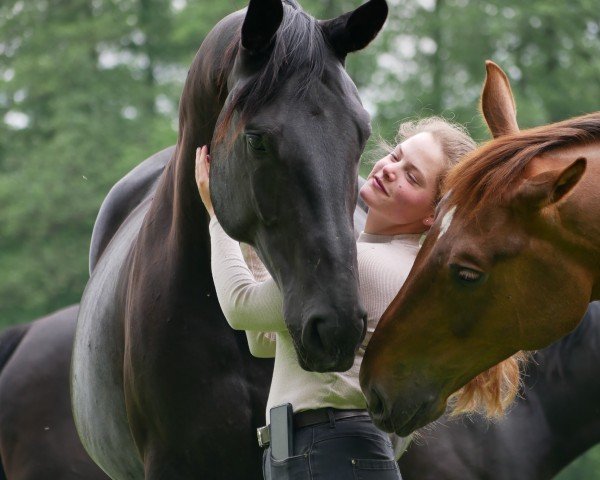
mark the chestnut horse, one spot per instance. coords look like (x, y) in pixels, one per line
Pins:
(161, 386)
(510, 264)
(554, 420)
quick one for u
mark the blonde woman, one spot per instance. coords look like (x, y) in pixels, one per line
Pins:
(333, 436)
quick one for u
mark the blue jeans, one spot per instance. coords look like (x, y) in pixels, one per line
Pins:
(351, 448)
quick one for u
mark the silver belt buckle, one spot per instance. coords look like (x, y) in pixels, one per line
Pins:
(264, 436)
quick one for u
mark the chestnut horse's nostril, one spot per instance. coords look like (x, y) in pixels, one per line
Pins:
(364, 326)
(375, 403)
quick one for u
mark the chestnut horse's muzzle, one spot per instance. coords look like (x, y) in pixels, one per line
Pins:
(403, 418)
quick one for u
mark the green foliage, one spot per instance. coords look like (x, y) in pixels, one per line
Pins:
(586, 467)
(435, 49)
(87, 77)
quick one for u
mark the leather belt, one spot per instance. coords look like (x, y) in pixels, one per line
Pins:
(309, 418)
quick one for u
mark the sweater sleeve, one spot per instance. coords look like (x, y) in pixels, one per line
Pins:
(261, 344)
(247, 304)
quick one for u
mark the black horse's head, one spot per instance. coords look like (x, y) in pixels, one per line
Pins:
(284, 164)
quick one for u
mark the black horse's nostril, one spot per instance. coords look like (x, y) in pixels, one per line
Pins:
(316, 336)
(330, 341)
(323, 344)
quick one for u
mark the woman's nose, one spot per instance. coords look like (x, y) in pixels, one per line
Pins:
(389, 171)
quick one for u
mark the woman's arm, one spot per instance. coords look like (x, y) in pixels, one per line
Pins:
(261, 344)
(246, 303)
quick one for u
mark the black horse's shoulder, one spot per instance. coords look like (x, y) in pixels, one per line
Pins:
(10, 340)
(123, 198)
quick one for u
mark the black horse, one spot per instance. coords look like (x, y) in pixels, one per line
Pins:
(35, 360)
(161, 386)
(38, 439)
(556, 419)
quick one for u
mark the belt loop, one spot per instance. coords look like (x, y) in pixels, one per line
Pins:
(331, 418)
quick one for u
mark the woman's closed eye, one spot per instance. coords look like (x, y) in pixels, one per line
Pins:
(412, 178)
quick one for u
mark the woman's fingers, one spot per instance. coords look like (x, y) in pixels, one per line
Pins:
(202, 169)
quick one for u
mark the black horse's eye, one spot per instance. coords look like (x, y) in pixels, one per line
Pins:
(255, 142)
(467, 276)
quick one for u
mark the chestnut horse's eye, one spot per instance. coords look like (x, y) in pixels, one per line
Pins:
(256, 142)
(467, 276)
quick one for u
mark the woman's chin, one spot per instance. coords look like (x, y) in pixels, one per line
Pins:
(365, 195)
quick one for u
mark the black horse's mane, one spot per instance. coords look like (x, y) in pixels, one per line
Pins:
(298, 47)
(586, 336)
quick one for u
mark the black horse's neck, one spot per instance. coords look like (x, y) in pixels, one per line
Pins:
(558, 417)
(177, 202)
(564, 384)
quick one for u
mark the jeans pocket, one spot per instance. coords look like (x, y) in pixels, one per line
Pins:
(375, 469)
(292, 468)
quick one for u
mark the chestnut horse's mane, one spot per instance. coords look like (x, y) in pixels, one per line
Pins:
(484, 177)
(487, 174)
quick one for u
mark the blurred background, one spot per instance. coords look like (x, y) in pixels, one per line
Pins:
(89, 88)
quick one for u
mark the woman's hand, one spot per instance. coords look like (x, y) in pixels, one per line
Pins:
(202, 178)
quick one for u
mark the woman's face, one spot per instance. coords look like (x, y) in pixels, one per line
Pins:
(400, 190)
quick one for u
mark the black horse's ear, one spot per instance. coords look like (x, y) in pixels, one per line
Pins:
(549, 187)
(262, 21)
(354, 30)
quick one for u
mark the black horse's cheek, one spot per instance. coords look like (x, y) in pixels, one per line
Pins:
(232, 203)
(267, 195)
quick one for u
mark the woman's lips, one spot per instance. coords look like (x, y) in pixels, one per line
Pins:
(379, 184)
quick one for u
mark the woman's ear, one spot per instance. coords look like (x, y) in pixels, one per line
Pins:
(428, 221)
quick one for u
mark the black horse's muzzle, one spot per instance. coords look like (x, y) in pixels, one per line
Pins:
(329, 340)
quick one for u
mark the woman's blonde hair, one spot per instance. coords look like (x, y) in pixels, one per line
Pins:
(491, 392)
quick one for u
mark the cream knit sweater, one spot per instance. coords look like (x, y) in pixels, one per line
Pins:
(251, 301)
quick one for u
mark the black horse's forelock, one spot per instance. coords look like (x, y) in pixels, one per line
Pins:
(298, 48)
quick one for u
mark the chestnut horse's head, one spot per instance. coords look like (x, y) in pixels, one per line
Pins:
(284, 159)
(507, 266)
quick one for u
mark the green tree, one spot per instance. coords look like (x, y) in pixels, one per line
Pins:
(78, 103)
(433, 58)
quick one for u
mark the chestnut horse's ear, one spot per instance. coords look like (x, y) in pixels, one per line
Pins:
(262, 21)
(497, 102)
(549, 187)
(354, 30)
